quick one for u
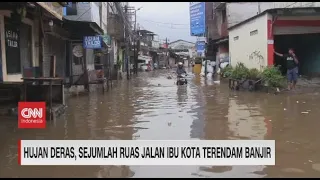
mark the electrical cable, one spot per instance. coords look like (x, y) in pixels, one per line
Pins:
(162, 22)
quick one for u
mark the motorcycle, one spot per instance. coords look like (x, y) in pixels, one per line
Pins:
(181, 79)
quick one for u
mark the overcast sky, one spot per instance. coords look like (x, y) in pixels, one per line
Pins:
(167, 19)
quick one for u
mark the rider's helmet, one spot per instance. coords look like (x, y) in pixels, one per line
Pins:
(180, 64)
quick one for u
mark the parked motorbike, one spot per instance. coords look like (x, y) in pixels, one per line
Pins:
(181, 79)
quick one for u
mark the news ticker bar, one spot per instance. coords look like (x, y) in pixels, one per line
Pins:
(146, 152)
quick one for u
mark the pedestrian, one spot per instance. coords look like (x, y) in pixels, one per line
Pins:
(292, 67)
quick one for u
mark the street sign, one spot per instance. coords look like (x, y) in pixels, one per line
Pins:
(197, 19)
(201, 46)
(92, 42)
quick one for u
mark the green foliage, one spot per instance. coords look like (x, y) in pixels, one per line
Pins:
(240, 72)
(253, 74)
(227, 71)
(272, 77)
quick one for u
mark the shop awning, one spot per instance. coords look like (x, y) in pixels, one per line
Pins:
(79, 29)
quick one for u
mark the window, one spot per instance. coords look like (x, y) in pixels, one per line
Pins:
(252, 33)
(236, 38)
(18, 45)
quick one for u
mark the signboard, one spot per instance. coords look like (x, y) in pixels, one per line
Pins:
(53, 7)
(12, 46)
(197, 19)
(106, 39)
(201, 46)
(92, 42)
(77, 51)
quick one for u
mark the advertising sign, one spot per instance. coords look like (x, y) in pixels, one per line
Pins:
(197, 19)
(92, 42)
(107, 39)
(201, 46)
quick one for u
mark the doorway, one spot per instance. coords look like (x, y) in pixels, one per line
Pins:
(306, 47)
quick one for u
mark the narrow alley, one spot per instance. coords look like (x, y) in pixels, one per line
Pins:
(152, 107)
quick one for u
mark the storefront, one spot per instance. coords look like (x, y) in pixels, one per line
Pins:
(84, 38)
(17, 46)
(254, 40)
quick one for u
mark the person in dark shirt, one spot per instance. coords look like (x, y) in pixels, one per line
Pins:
(292, 68)
(180, 69)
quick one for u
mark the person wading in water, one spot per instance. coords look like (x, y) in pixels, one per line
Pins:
(292, 68)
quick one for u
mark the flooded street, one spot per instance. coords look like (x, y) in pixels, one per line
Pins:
(152, 107)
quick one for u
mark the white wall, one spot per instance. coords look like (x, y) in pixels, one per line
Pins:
(247, 49)
(95, 13)
(104, 16)
(86, 11)
(83, 12)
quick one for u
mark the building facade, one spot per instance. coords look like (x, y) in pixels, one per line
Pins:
(222, 15)
(19, 42)
(278, 30)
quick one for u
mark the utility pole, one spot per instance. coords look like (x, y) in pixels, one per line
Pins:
(166, 48)
(127, 40)
(135, 44)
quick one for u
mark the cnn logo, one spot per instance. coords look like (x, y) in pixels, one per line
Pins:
(32, 115)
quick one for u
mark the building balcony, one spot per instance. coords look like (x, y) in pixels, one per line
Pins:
(115, 26)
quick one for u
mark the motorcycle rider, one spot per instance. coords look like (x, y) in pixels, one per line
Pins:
(180, 69)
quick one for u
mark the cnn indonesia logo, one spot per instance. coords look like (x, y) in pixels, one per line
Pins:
(32, 115)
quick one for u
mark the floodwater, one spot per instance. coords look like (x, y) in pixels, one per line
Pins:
(152, 107)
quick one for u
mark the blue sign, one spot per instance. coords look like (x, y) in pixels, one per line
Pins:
(92, 42)
(201, 46)
(197, 19)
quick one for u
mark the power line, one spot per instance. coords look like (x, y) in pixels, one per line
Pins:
(162, 22)
(171, 27)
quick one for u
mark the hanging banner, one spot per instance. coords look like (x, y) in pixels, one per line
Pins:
(92, 42)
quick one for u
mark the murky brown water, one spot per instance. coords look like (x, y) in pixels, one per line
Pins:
(141, 109)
